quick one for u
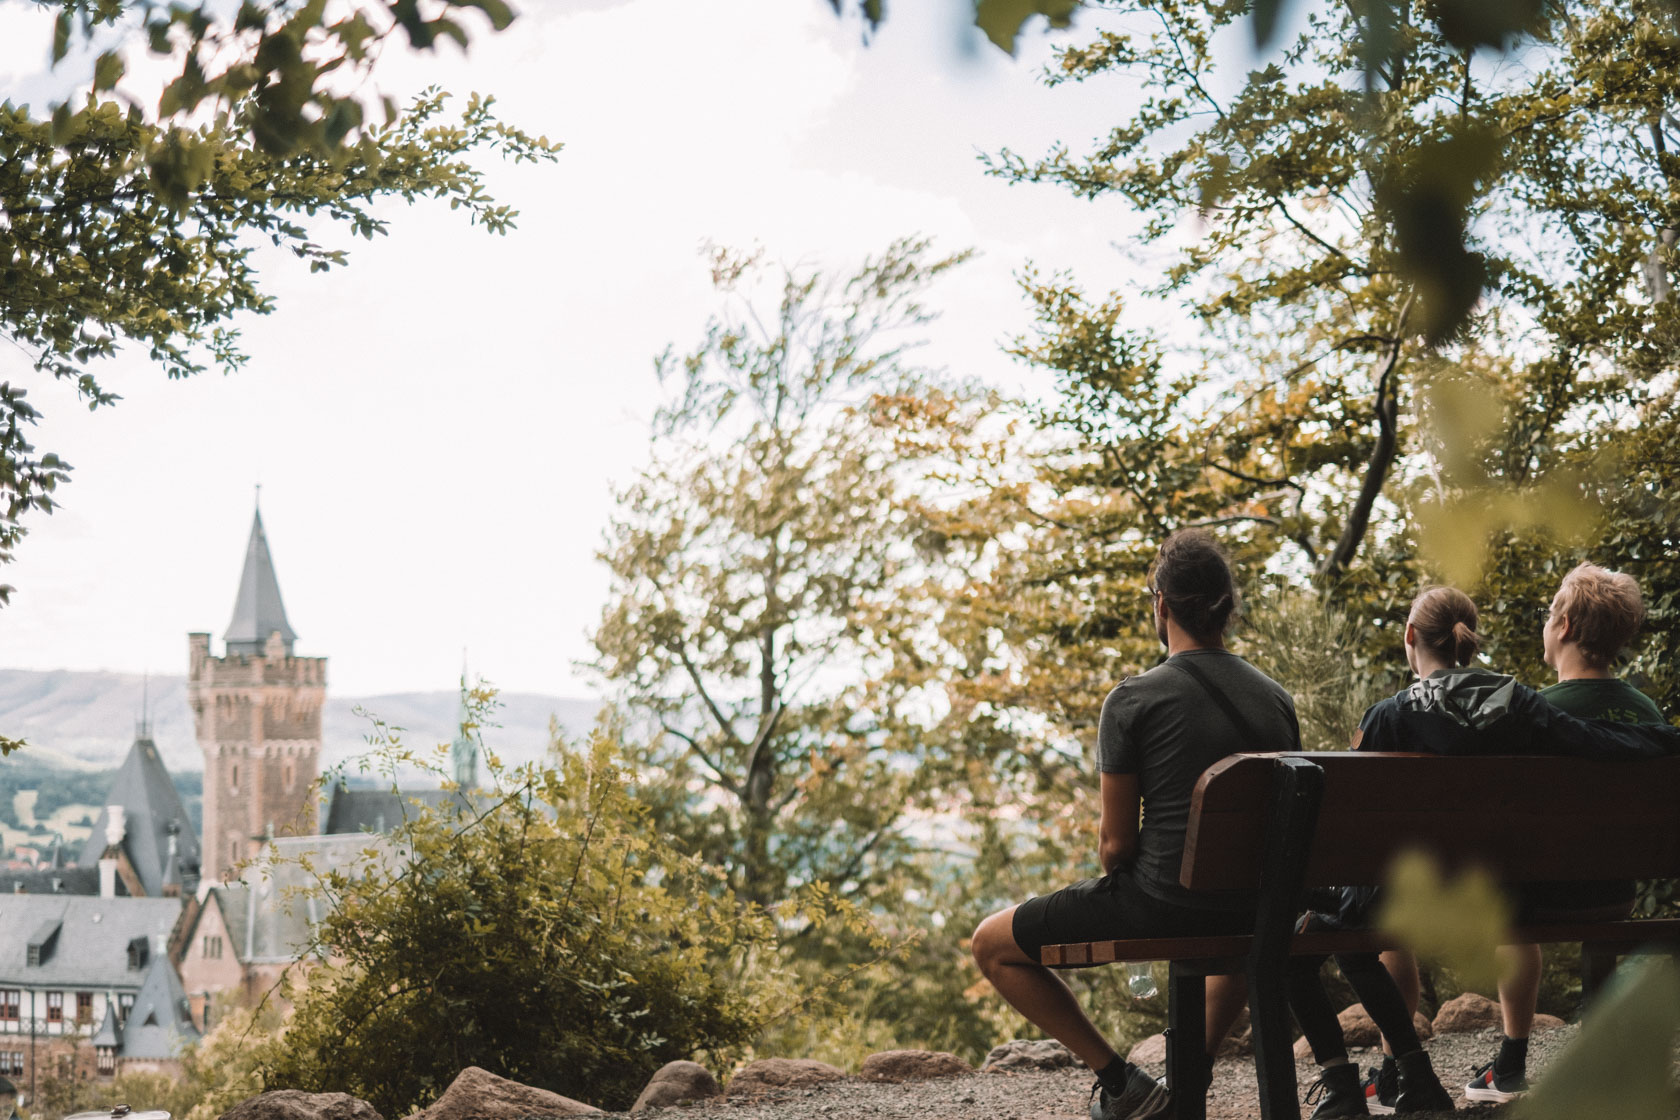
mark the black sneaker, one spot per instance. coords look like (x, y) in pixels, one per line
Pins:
(1492, 1088)
(1420, 1089)
(1142, 1098)
(1338, 1093)
(1382, 1088)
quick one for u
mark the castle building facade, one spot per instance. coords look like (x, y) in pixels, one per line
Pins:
(257, 715)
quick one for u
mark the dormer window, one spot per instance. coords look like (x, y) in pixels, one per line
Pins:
(139, 952)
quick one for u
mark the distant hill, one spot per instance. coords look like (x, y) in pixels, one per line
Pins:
(87, 719)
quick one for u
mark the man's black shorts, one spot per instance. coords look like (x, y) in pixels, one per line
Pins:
(1114, 908)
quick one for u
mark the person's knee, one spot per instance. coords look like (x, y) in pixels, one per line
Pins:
(993, 943)
(990, 937)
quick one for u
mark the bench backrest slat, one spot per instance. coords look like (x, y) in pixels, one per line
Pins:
(1525, 818)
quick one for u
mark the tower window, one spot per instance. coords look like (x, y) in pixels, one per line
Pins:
(288, 771)
(234, 783)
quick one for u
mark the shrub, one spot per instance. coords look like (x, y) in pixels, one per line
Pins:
(540, 930)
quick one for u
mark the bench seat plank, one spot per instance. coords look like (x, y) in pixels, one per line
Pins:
(1632, 933)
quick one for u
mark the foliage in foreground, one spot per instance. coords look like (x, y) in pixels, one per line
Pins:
(542, 932)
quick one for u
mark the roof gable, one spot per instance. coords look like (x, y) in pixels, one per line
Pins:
(160, 1022)
(152, 815)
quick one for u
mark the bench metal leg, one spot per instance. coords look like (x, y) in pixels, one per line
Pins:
(1598, 962)
(1274, 1051)
(1186, 1042)
(1296, 793)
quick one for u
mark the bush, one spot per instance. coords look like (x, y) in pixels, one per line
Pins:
(543, 933)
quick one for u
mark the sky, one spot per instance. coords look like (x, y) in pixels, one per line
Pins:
(438, 429)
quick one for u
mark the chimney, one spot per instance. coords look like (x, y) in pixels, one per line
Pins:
(108, 877)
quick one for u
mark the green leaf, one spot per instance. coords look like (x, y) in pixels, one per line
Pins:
(1468, 24)
(1265, 18)
(1002, 20)
(1460, 921)
(1620, 1063)
(61, 36)
(497, 11)
(107, 71)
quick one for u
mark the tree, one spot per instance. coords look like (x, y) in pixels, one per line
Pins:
(120, 225)
(752, 567)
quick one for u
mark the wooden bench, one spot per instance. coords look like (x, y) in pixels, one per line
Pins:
(1280, 823)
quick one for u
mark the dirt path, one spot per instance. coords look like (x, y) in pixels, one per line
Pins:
(1064, 1094)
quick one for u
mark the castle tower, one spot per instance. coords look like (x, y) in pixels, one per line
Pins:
(257, 712)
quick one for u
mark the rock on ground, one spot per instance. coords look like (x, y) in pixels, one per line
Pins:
(781, 1073)
(1547, 1023)
(294, 1104)
(1024, 1054)
(478, 1094)
(912, 1065)
(678, 1083)
(1468, 1012)
(1359, 1031)
(1151, 1049)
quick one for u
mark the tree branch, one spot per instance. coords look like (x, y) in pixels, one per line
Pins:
(705, 697)
(723, 779)
(1382, 457)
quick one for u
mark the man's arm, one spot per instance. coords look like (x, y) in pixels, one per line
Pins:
(1117, 834)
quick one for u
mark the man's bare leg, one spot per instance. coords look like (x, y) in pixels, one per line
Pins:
(1519, 991)
(1037, 992)
(1225, 997)
(1404, 968)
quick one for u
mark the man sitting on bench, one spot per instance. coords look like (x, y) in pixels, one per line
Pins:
(1594, 614)
(1158, 732)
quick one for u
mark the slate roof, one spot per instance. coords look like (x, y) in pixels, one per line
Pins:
(68, 880)
(160, 1022)
(381, 810)
(271, 914)
(91, 950)
(257, 609)
(150, 806)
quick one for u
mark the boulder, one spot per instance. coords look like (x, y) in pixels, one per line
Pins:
(781, 1073)
(1468, 1012)
(912, 1065)
(1547, 1023)
(1024, 1053)
(1151, 1051)
(294, 1104)
(1357, 1027)
(478, 1094)
(678, 1083)
(1425, 1031)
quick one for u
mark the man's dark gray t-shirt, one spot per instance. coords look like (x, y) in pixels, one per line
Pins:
(1165, 728)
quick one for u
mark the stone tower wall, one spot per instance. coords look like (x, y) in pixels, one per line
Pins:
(258, 721)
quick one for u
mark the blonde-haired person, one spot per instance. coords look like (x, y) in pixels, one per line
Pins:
(1593, 617)
(1453, 708)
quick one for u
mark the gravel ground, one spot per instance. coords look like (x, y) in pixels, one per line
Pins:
(1064, 1094)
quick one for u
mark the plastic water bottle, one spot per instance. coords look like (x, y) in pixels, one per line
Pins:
(1140, 980)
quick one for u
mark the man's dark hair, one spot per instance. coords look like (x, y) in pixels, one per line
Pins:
(1192, 575)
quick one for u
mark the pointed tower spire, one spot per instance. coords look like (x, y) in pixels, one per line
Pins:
(464, 751)
(258, 611)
